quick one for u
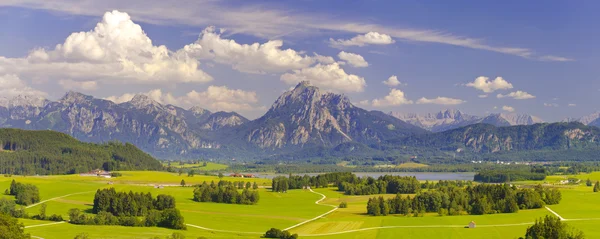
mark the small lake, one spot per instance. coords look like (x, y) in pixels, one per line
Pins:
(419, 176)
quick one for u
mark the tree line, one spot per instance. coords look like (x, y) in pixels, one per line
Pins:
(226, 192)
(121, 208)
(25, 194)
(507, 175)
(48, 152)
(282, 183)
(475, 200)
(382, 185)
(168, 218)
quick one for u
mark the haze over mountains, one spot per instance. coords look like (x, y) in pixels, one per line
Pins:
(304, 122)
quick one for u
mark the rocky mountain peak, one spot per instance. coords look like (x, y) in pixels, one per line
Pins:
(197, 110)
(27, 101)
(449, 114)
(589, 118)
(74, 97)
(142, 101)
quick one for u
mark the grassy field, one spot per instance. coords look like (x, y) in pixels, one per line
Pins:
(282, 210)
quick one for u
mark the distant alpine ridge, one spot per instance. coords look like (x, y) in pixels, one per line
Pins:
(452, 119)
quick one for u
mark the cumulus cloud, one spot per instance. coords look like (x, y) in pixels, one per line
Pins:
(394, 98)
(482, 96)
(330, 77)
(551, 104)
(572, 105)
(116, 49)
(392, 81)
(11, 86)
(508, 108)
(440, 101)
(486, 85)
(517, 95)
(268, 57)
(371, 38)
(353, 59)
(215, 98)
(78, 85)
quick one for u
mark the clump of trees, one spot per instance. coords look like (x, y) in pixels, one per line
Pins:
(25, 194)
(11, 228)
(384, 184)
(477, 200)
(226, 192)
(507, 175)
(282, 183)
(551, 227)
(120, 208)
(276, 233)
(597, 186)
(129, 204)
(588, 182)
(343, 205)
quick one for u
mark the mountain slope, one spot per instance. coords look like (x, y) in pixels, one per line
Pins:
(305, 117)
(485, 138)
(49, 152)
(165, 131)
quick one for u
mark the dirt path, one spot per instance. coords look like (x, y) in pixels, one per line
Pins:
(33, 205)
(43, 225)
(317, 217)
(556, 214)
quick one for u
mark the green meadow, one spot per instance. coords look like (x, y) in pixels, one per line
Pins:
(579, 205)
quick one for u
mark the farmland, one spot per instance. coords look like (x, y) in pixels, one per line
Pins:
(579, 207)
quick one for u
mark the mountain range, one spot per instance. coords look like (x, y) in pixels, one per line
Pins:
(452, 119)
(302, 123)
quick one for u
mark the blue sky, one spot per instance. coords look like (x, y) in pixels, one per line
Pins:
(545, 54)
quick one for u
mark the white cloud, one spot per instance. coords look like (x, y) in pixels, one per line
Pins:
(364, 103)
(394, 98)
(259, 20)
(392, 81)
(11, 86)
(215, 98)
(78, 85)
(116, 49)
(555, 58)
(572, 105)
(440, 101)
(371, 38)
(486, 85)
(482, 96)
(508, 108)
(251, 58)
(517, 95)
(551, 104)
(330, 77)
(353, 59)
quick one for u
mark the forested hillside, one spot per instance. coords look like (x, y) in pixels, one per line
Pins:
(49, 152)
